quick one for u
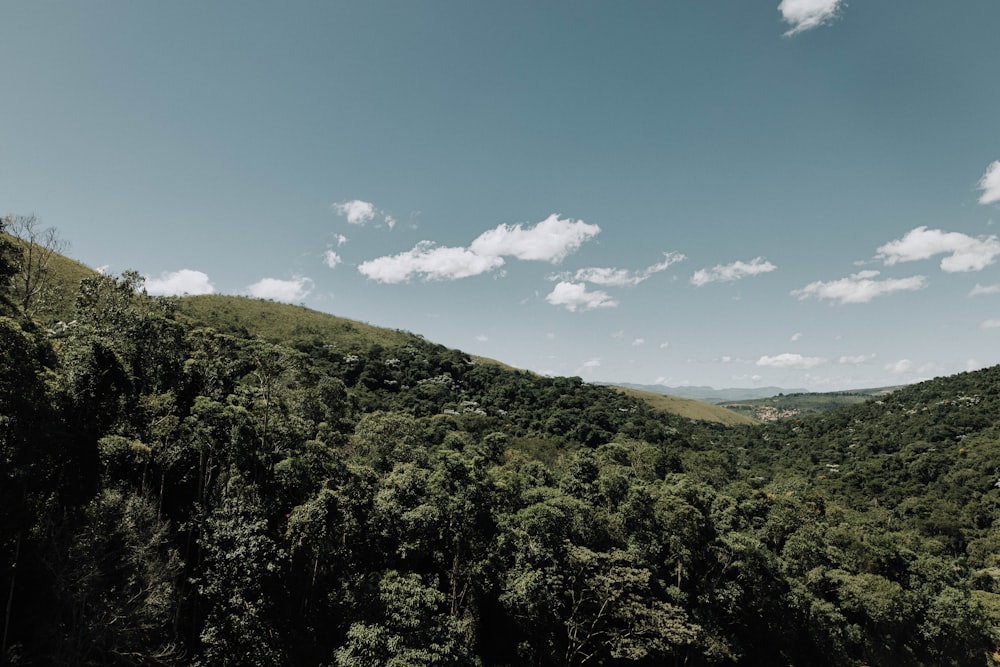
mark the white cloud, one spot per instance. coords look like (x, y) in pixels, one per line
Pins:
(984, 289)
(618, 334)
(964, 253)
(610, 277)
(331, 259)
(990, 184)
(551, 240)
(789, 360)
(664, 345)
(899, 367)
(797, 336)
(855, 360)
(858, 287)
(574, 296)
(184, 281)
(292, 290)
(638, 341)
(482, 338)
(592, 363)
(390, 221)
(804, 15)
(356, 211)
(731, 272)
(340, 239)
(430, 262)
(990, 324)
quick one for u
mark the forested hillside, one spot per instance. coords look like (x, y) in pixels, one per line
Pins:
(175, 490)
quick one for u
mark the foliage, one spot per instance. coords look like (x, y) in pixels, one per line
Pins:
(241, 486)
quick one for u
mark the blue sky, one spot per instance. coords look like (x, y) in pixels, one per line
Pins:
(705, 192)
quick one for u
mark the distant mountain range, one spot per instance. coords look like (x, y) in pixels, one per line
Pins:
(712, 395)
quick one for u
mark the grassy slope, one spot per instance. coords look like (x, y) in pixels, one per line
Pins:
(281, 322)
(686, 407)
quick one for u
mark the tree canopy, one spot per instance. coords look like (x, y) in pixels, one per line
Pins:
(179, 492)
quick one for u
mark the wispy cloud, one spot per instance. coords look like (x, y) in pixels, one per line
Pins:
(990, 324)
(804, 15)
(429, 262)
(722, 273)
(855, 360)
(331, 258)
(790, 360)
(638, 342)
(574, 297)
(990, 184)
(963, 252)
(859, 287)
(588, 366)
(174, 283)
(356, 211)
(551, 240)
(899, 367)
(359, 212)
(612, 277)
(292, 290)
(979, 290)
(796, 337)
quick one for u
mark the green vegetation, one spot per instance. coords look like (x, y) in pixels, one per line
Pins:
(785, 406)
(234, 488)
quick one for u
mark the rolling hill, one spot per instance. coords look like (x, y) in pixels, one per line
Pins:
(293, 324)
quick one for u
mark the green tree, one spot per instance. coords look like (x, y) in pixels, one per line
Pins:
(241, 585)
(116, 585)
(411, 627)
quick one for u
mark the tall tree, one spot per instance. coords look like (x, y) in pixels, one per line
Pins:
(32, 285)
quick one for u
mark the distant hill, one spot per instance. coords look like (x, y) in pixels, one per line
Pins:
(792, 405)
(712, 395)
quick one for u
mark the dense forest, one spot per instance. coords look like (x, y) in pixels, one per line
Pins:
(177, 490)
